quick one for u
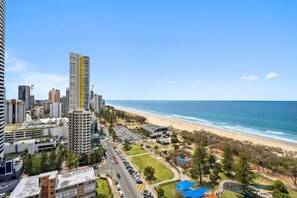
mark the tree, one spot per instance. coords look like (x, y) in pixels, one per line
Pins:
(43, 162)
(293, 171)
(279, 186)
(174, 139)
(227, 161)
(52, 161)
(61, 153)
(29, 165)
(213, 178)
(149, 172)
(211, 159)
(161, 193)
(114, 136)
(127, 146)
(92, 159)
(199, 162)
(243, 173)
(72, 160)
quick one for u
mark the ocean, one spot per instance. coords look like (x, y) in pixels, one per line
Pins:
(272, 119)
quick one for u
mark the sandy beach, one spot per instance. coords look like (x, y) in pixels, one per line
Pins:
(183, 125)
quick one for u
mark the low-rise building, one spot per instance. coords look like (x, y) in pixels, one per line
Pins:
(35, 135)
(156, 131)
(79, 183)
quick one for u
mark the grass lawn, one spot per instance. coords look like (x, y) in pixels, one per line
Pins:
(169, 189)
(136, 149)
(230, 194)
(103, 188)
(162, 173)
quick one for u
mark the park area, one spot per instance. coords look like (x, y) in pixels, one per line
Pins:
(103, 189)
(135, 150)
(162, 173)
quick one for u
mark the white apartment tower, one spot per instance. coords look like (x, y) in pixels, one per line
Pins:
(79, 127)
(2, 63)
(79, 79)
(55, 110)
(15, 111)
(98, 103)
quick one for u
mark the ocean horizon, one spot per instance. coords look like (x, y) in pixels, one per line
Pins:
(269, 119)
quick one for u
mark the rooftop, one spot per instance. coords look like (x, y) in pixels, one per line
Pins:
(152, 128)
(52, 174)
(75, 177)
(27, 187)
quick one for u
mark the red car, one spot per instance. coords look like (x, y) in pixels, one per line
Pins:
(115, 161)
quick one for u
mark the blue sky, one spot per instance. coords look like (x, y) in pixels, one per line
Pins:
(201, 50)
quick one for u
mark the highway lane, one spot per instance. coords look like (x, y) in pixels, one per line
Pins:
(126, 181)
(128, 185)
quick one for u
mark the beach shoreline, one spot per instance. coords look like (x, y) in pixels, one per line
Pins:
(186, 125)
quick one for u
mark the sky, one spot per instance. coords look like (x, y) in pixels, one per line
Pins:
(156, 50)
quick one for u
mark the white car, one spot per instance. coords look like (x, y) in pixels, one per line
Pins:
(118, 187)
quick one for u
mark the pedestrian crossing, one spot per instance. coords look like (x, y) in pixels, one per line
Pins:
(140, 187)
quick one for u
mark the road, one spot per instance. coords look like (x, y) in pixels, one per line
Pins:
(127, 183)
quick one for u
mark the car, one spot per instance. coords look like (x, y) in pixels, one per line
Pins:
(139, 181)
(136, 178)
(118, 187)
(115, 161)
(116, 182)
(121, 192)
(113, 156)
(119, 176)
(3, 187)
(145, 192)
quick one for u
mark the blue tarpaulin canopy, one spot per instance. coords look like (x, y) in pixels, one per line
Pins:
(195, 193)
(184, 185)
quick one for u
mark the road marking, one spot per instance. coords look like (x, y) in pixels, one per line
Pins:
(140, 187)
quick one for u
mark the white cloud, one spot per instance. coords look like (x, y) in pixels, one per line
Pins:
(250, 77)
(24, 74)
(271, 75)
(13, 64)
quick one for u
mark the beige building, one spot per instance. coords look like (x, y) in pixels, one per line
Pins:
(79, 183)
(79, 130)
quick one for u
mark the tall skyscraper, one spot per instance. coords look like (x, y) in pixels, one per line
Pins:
(54, 95)
(15, 111)
(98, 103)
(79, 79)
(65, 102)
(2, 63)
(79, 127)
(24, 95)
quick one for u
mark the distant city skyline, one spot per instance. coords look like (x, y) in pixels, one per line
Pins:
(178, 50)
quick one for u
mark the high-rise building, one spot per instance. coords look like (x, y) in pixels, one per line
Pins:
(79, 79)
(15, 111)
(55, 110)
(2, 64)
(65, 102)
(24, 95)
(54, 95)
(98, 103)
(79, 130)
(32, 101)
